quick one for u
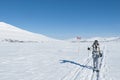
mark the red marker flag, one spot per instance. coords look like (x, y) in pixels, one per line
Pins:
(78, 37)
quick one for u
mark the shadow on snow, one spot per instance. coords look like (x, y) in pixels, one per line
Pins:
(75, 63)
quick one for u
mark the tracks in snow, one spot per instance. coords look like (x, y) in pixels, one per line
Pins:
(96, 75)
(83, 73)
(73, 74)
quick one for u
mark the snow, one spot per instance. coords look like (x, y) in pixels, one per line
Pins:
(102, 39)
(56, 60)
(61, 61)
(113, 59)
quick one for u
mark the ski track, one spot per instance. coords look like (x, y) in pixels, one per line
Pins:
(82, 71)
(106, 67)
(73, 74)
(79, 73)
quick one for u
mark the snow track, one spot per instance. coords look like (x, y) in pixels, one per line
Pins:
(96, 75)
(86, 72)
(73, 74)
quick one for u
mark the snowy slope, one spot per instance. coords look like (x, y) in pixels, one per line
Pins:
(8, 31)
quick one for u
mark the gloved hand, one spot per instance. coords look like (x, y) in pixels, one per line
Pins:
(88, 48)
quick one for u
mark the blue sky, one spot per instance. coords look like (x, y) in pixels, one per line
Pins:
(64, 19)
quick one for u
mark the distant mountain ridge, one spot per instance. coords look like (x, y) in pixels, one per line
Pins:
(9, 32)
(94, 38)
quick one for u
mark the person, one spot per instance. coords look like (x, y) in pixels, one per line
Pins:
(95, 55)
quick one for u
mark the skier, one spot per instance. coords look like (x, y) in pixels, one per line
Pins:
(95, 55)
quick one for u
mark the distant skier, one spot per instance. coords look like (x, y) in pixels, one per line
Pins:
(95, 55)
